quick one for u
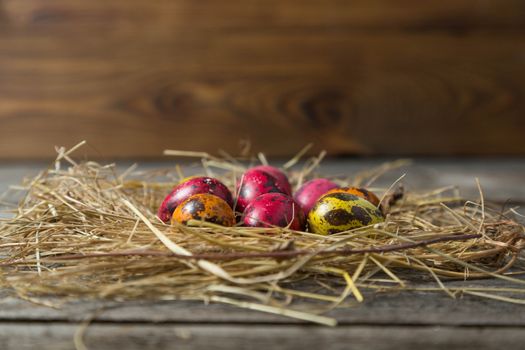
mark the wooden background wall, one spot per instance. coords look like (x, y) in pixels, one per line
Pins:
(134, 77)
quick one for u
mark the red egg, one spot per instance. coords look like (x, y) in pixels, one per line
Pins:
(254, 183)
(274, 209)
(311, 191)
(281, 177)
(193, 186)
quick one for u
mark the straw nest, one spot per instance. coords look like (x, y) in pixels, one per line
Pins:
(81, 230)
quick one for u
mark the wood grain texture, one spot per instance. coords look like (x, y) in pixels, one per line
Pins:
(384, 321)
(212, 337)
(400, 309)
(501, 179)
(360, 77)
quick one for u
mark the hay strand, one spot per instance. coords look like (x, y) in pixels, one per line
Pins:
(85, 231)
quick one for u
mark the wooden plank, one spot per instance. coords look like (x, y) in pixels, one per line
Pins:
(136, 77)
(381, 309)
(161, 336)
(407, 15)
(501, 179)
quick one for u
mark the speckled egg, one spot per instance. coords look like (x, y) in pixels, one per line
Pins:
(310, 191)
(190, 187)
(339, 211)
(274, 209)
(206, 207)
(254, 183)
(282, 179)
(358, 191)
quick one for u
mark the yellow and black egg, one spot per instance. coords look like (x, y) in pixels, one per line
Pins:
(337, 212)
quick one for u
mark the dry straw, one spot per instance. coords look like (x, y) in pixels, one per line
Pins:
(81, 230)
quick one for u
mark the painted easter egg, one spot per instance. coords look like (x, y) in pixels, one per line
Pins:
(274, 209)
(206, 207)
(254, 183)
(191, 187)
(337, 212)
(282, 179)
(311, 191)
(358, 191)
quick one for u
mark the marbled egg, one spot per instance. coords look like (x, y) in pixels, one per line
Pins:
(282, 179)
(274, 209)
(190, 187)
(311, 191)
(339, 211)
(358, 191)
(206, 207)
(254, 183)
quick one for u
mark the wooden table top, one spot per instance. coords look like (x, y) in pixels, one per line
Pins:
(415, 320)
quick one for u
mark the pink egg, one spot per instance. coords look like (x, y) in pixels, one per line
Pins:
(311, 191)
(252, 184)
(281, 177)
(274, 209)
(195, 185)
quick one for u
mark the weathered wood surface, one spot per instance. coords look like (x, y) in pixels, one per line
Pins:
(412, 320)
(403, 309)
(136, 77)
(58, 336)
(501, 179)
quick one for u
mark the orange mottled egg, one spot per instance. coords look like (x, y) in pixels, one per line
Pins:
(206, 207)
(357, 191)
